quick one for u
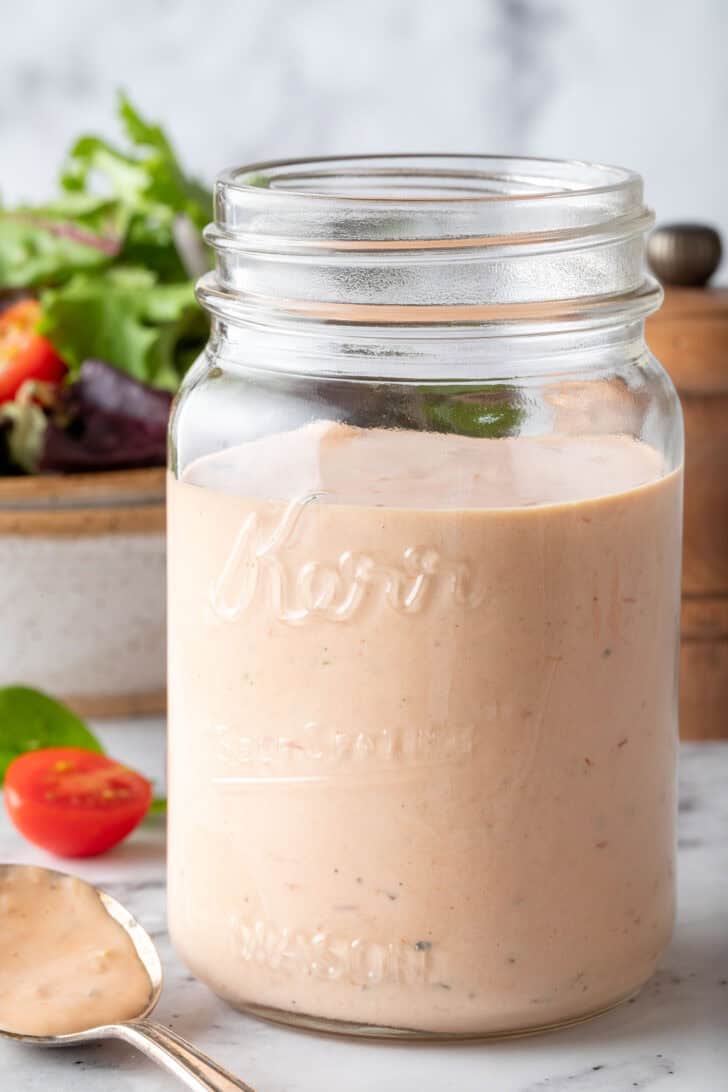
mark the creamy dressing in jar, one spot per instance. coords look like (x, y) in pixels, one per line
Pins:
(422, 728)
(65, 964)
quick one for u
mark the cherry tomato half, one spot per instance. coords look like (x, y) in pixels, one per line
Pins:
(25, 354)
(74, 803)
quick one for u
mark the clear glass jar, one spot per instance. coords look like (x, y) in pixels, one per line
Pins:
(424, 551)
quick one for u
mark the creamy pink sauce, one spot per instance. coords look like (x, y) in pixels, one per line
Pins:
(422, 725)
(65, 964)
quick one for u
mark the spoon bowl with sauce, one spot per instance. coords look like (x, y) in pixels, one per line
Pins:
(76, 967)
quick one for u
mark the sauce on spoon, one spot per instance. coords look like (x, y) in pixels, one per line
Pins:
(65, 963)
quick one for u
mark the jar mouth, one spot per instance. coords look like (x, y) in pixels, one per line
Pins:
(432, 197)
(426, 231)
(433, 177)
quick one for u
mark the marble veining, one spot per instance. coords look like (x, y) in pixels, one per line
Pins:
(671, 1038)
(637, 1073)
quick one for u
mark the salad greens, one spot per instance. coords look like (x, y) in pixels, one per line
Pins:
(31, 721)
(149, 329)
(104, 255)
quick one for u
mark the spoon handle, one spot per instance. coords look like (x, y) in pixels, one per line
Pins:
(179, 1057)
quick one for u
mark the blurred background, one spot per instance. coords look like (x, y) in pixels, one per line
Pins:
(643, 84)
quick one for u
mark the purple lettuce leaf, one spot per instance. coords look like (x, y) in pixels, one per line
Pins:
(106, 421)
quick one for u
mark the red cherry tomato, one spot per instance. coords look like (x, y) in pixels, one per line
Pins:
(74, 803)
(25, 354)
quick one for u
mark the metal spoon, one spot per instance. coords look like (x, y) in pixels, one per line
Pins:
(163, 1046)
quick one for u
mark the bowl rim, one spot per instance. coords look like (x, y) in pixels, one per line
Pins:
(94, 489)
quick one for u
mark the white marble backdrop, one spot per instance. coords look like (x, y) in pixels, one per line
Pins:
(643, 83)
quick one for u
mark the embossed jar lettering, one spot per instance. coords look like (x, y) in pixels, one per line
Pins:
(324, 955)
(330, 590)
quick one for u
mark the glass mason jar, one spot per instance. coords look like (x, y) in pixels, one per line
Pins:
(424, 554)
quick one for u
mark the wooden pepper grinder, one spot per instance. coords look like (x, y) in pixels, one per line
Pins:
(689, 336)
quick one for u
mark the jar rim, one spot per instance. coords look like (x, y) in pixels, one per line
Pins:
(400, 201)
(576, 177)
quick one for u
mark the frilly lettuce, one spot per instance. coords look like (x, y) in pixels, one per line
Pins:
(104, 256)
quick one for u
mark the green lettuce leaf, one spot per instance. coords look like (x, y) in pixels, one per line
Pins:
(31, 721)
(127, 318)
(168, 185)
(39, 246)
(148, 179)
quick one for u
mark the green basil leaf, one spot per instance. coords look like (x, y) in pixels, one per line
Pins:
(32, 721)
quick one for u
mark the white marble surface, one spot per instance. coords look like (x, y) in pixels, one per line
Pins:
(644, 84)
(674, 1036)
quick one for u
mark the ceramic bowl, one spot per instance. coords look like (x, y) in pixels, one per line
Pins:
(82, 589)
